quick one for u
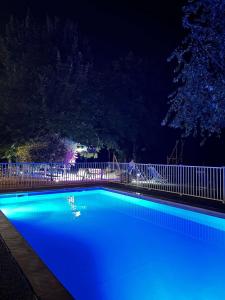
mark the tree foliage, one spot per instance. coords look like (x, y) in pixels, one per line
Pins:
(126, 104)
(52, 149)
(198, 104)
(43, 80)
(51, 87)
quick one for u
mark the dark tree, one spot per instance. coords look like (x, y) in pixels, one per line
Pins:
(127, 113)
(44, 78)
(198, 104)
(50, 87)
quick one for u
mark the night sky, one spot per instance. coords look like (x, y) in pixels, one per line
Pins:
(150, 29)
(114, 27)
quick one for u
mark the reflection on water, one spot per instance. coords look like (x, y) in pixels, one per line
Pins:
(75, 206)
(182, 221)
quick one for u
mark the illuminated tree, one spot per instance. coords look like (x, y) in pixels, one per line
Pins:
(198, 104)
(52, 149)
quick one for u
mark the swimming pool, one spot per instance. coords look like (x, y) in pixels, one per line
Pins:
(105, 245)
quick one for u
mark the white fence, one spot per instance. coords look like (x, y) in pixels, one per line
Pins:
(204, 182)
(15, 175)
(197, 181)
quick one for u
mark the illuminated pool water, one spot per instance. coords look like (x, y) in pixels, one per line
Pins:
(108, 246)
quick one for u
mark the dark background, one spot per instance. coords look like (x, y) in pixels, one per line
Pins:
(151, 29)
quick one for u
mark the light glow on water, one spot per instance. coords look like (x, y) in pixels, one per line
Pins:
(108, 246)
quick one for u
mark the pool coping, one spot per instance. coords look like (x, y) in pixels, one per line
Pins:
(43, 282)
(168, 202)
(203, 205)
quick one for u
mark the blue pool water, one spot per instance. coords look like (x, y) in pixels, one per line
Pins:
(108, 246)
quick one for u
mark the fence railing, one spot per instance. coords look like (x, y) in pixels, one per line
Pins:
(13, 175)
(198, 181)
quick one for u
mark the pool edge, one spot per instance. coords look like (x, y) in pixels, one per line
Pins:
(43, 282)
(201, 205)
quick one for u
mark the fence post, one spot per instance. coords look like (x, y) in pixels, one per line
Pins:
(45, 171)
(51, 171)
(223, 187)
